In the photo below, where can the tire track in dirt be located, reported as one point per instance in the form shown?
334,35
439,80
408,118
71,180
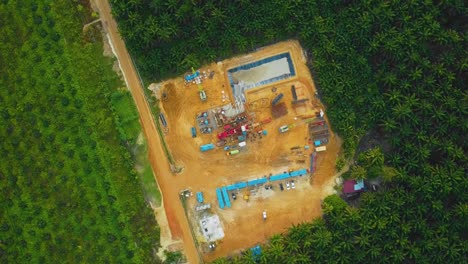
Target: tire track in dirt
174,211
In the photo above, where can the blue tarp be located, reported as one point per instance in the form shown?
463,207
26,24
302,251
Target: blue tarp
279,177
257,181
359,185
256,252
236,186
226,197
200,197
298,173
192,76
220,198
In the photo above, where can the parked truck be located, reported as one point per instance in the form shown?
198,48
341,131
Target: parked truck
283,129
232,152
194,132
202,95
206,147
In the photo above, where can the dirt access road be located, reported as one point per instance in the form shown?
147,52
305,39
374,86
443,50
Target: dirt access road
174,211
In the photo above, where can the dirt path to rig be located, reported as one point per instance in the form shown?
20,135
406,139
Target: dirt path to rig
174,210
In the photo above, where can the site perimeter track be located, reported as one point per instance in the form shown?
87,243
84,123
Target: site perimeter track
174,210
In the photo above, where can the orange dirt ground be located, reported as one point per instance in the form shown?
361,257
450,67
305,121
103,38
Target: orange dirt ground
204,172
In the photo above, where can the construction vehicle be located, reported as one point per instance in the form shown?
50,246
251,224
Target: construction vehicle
246,196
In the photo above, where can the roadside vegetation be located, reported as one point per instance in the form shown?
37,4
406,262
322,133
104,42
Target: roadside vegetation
131,135
393,69
70,192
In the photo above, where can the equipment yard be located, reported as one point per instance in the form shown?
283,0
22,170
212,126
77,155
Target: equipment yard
254,145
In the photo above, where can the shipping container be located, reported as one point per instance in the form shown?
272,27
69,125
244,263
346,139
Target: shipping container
320,149
206,147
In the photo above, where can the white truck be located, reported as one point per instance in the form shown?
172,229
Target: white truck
283,129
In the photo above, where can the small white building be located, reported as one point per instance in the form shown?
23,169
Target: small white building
211,228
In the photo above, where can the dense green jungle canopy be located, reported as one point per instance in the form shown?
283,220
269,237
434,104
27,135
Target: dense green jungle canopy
395,68
68,190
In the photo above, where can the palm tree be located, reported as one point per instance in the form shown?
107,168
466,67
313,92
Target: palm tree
300,258
363,240
275,250
389,125
322,238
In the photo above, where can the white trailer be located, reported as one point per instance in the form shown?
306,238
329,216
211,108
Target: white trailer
320,149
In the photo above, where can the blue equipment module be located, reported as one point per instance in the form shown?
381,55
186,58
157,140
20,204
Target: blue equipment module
298,173
220,198
279,177
257,181
236,186
226,197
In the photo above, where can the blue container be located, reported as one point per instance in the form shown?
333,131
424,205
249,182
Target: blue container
200,197
265,132
206,147
194,132
298,173
219,195
257,181
226,197
236,186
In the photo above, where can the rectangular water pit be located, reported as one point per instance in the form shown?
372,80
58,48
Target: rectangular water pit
262,72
